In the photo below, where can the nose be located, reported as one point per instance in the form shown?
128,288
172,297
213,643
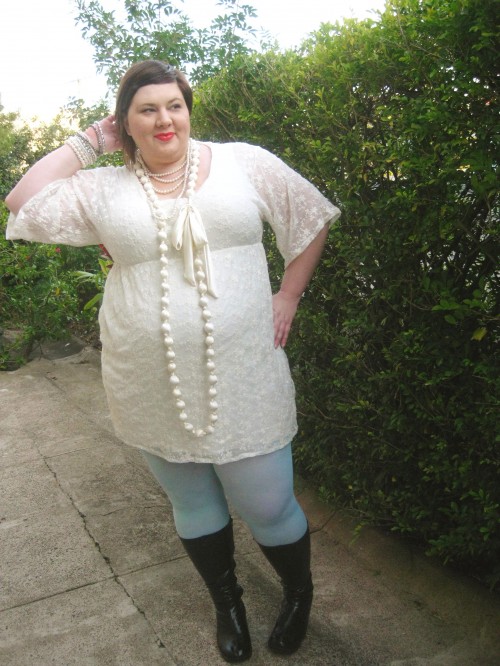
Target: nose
163,118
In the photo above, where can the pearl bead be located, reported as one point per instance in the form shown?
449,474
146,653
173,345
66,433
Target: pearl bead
163,221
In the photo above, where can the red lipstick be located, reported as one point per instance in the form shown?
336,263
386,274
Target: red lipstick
164,136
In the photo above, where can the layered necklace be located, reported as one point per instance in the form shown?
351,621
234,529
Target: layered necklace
187,233
179,176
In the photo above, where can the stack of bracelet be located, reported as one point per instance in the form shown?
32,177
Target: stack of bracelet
82,146
101,143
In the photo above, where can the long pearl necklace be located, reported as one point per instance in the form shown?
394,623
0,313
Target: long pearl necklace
189,184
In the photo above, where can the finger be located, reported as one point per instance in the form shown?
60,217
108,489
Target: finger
282,329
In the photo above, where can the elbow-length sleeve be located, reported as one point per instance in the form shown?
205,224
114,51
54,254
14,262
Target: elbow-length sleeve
294,208
65,211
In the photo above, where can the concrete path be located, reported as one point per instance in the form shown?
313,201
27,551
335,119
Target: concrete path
92,573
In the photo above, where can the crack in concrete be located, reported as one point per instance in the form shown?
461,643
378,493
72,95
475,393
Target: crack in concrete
114,576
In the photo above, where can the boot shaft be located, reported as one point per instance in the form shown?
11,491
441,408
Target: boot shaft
292,562
213,556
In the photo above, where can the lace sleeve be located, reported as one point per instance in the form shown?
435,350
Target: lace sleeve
294,208
64,211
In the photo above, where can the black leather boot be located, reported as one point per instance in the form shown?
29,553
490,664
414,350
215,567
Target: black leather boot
292,563
212,555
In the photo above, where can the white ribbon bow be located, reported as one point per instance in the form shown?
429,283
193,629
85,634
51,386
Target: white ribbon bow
188,233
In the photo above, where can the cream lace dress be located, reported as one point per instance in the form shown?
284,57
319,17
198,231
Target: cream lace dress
246,186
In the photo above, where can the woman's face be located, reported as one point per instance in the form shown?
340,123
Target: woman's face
158,122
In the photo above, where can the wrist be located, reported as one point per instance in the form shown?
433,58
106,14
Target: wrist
91,135
82,146
290,295
96,136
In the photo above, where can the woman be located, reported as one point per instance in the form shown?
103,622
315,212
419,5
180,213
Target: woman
192,338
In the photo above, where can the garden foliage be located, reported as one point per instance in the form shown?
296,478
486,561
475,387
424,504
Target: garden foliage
395,350
40,294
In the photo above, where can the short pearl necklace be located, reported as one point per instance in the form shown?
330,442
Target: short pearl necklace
177,180
191,175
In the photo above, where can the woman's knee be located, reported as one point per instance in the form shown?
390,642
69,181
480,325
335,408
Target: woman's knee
187,485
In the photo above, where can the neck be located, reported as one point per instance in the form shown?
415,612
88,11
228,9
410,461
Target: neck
162,168
174,181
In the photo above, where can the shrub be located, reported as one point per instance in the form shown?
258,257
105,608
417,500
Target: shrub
39,293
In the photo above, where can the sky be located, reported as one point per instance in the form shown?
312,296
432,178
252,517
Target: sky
44,60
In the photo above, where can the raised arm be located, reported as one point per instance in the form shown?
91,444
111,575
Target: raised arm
60,163
295,280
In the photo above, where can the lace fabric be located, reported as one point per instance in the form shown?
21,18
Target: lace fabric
247,186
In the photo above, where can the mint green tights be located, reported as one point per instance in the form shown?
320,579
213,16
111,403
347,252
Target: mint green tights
260,489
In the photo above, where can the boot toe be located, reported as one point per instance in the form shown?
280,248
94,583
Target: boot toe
234,651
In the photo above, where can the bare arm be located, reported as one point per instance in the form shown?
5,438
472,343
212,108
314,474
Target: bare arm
61,163
295,280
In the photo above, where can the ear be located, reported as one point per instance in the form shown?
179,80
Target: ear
126,126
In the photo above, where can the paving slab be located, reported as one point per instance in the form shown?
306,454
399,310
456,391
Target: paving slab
93,625
43,554
16,449
136,537
29,488
105,478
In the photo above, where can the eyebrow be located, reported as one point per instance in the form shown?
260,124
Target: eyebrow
170,101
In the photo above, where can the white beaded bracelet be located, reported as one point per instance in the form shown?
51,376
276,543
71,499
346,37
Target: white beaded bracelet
83,149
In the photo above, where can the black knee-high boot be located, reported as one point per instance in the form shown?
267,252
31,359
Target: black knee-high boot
212,555
292,563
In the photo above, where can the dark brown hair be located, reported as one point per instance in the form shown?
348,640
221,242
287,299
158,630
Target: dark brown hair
142,74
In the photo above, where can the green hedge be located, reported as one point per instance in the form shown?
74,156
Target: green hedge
395,348
41,296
